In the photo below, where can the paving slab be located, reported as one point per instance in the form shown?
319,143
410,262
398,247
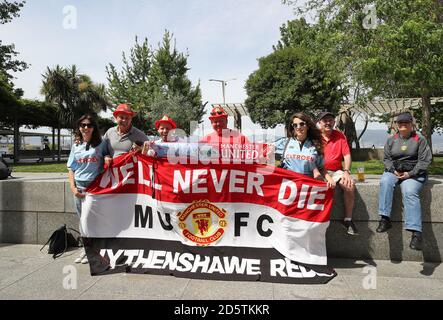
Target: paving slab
397,288
337,288
28,273
144,286
228,290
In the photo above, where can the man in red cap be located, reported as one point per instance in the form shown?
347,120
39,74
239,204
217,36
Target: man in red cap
222,134
223,139
123,137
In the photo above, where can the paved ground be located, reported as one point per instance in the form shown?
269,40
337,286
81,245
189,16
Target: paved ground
26,273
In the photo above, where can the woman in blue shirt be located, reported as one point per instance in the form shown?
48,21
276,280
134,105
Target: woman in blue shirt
302,150
85,162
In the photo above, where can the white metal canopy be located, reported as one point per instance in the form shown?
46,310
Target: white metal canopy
388,106
233,109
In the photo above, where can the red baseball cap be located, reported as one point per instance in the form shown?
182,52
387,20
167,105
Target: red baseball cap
165,119
218,112
124,108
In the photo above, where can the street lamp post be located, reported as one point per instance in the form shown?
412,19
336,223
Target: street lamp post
223,82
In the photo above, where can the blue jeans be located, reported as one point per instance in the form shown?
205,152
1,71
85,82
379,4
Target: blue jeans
410,189
81,186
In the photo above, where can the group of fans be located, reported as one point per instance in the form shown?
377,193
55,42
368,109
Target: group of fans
313,148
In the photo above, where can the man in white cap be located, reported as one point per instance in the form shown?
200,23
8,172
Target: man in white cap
123,137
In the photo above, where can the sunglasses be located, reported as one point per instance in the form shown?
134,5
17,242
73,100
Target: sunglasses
217,113
298,125
86,125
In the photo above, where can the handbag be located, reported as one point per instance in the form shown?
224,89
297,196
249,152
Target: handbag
5,170
60,240
403,166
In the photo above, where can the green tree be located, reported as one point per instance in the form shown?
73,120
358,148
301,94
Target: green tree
151,77
8,11
333,51
9,96
131,84
10,106
9,101
297,76
401,56
172,106
72,94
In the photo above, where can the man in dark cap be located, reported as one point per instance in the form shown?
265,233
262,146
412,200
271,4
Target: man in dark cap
336,150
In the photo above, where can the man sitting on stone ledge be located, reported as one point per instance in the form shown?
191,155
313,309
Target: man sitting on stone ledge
336,149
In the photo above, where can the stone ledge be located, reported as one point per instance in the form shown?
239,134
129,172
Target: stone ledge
30,210
366,202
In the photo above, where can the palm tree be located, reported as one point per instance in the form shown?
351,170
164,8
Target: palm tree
91,97
73,94
56,89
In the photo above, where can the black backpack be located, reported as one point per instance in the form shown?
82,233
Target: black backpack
60,241
5,171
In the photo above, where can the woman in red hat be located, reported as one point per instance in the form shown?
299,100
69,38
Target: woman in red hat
164,126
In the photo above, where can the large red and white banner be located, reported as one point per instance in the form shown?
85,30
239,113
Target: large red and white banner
211,221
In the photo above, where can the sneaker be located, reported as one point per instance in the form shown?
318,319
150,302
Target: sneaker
350,227
384,225
416,241
85,259
81,256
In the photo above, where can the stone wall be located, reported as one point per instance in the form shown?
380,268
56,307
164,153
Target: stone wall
30,210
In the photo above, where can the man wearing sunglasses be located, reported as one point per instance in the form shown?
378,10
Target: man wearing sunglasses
336,150
123,137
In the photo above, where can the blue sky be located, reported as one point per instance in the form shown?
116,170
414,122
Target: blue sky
224,38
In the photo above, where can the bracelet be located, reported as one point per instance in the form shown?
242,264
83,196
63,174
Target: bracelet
349,171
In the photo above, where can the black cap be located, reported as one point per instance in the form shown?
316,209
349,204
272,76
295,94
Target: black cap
404,117
324,114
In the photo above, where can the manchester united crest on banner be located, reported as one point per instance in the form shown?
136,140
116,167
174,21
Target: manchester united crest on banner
202,222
